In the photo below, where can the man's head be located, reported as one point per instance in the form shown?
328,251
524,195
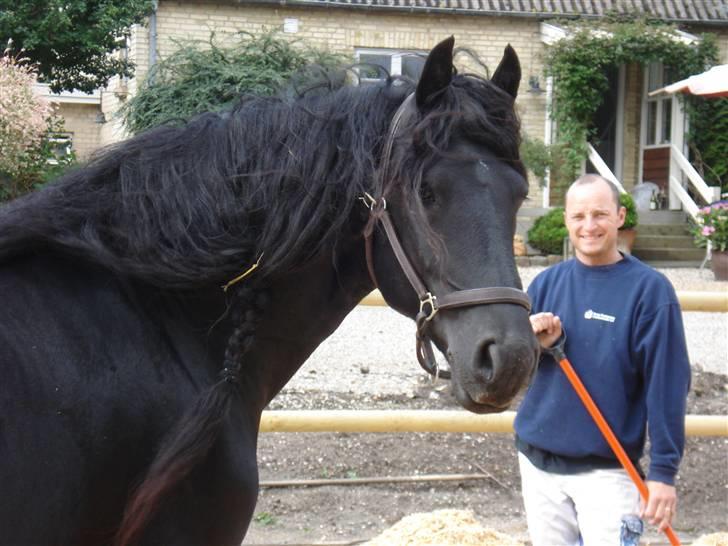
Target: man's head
593,217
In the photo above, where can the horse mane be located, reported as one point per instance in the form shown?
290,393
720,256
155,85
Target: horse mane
279,177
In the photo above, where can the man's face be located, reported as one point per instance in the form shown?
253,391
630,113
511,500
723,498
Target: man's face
593,220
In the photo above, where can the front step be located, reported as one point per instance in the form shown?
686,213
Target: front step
650,255
662,241
663,236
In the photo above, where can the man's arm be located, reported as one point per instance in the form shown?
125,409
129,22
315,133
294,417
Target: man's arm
662,349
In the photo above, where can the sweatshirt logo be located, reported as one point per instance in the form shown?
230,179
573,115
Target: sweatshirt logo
593,315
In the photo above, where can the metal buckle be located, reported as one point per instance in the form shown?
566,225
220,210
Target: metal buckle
430,300
370,202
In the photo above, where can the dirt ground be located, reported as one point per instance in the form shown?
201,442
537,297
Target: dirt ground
349,514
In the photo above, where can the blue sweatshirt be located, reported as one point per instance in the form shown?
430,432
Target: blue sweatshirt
625,339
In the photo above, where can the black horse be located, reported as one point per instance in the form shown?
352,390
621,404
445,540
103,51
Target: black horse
132,384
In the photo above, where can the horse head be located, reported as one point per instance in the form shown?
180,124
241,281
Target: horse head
452,183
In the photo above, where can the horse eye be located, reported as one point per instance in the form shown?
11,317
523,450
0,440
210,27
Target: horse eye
427,196
484,164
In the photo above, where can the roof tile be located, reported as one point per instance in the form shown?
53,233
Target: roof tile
684,11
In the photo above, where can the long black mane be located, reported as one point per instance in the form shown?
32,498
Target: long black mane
185,206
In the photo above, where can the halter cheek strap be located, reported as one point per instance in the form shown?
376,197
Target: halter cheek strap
430,304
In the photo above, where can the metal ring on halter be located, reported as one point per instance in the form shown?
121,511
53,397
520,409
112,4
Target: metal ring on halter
370,202
432,301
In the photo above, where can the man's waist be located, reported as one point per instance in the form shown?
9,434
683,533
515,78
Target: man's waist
567,464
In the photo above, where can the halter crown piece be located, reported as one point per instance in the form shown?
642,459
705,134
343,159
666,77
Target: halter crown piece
430,304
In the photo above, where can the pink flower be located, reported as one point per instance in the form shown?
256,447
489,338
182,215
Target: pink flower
708,230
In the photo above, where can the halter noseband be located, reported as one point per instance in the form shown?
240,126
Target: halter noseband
430,304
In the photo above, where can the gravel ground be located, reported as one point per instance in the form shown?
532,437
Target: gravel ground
373,349
369,363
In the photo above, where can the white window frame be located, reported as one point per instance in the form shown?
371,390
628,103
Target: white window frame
660,101
395,55
678,118
61,138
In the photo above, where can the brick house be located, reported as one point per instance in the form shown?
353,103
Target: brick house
635,128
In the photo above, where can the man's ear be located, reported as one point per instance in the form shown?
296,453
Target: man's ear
622,216
508,74
437,72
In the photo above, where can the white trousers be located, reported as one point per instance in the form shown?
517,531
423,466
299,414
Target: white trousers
576,509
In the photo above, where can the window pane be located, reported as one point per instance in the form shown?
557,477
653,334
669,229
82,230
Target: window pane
385,61
654,76
412,66
651,122
666,120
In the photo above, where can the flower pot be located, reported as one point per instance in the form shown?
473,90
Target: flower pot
719,264
625,240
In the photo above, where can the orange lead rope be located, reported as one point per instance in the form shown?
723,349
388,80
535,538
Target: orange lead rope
557,351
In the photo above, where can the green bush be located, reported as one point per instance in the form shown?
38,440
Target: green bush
709,134
548,232
631,218
205,76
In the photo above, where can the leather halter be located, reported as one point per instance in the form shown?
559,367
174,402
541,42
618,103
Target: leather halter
430,304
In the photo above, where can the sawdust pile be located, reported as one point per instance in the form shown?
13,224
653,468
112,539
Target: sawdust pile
441,528
714,539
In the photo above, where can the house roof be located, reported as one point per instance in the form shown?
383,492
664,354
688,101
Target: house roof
683,11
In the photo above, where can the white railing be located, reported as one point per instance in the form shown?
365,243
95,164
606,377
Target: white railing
680,167
602,168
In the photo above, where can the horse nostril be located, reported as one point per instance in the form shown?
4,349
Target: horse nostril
485,360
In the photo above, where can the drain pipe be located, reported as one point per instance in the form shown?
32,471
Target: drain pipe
153,38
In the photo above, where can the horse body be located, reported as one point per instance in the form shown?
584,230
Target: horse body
117,424
78,433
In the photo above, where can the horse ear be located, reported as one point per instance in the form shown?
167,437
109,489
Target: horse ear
437,72
508,74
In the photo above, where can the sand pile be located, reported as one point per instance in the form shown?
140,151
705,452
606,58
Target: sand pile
441,528
714,539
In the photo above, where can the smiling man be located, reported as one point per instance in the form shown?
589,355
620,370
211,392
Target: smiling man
626,342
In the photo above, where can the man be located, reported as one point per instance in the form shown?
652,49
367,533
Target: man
625,338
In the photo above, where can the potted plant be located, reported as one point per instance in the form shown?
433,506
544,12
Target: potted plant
711,228
627,233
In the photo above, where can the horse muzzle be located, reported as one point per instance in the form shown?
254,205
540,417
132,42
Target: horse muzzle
487,375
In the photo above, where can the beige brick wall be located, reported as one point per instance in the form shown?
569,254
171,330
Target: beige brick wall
80,122
632,123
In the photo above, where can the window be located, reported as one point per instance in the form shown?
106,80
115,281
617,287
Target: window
659,108
394,63
61,148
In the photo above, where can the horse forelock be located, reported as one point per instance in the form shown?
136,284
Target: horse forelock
471,108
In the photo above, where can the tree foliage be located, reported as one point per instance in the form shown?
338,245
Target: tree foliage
203,76
709,139
26,120
71,40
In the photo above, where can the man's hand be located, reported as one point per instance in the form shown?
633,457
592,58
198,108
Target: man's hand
547,328
661,506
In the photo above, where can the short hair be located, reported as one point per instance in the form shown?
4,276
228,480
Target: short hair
585,179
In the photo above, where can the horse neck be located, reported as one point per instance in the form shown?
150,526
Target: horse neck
305,307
